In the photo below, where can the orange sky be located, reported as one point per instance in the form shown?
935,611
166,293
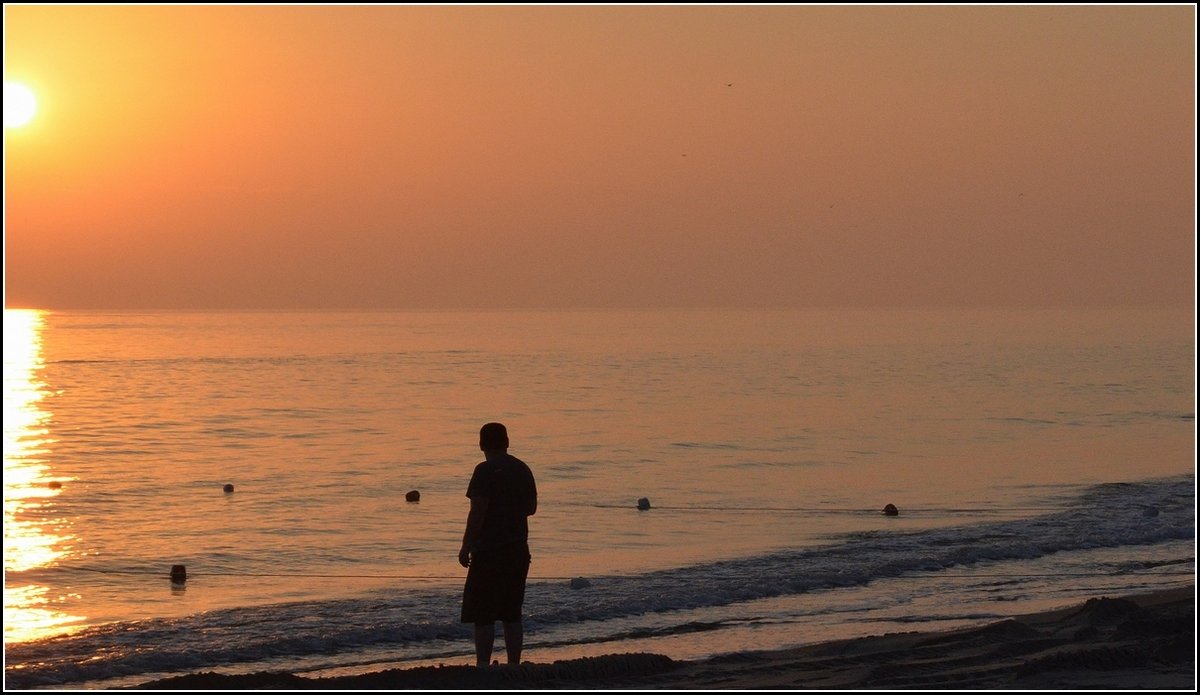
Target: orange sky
274,157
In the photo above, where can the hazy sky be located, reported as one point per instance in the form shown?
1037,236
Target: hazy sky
536,156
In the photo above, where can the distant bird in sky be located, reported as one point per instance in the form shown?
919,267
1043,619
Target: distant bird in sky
728,84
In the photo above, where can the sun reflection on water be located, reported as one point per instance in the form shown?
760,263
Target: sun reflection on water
33,537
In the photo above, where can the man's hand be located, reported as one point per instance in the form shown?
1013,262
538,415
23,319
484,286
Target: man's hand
464,557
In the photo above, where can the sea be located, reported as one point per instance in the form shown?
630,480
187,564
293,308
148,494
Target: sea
1036,458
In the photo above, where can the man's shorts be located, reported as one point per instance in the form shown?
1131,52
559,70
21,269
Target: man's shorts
495,586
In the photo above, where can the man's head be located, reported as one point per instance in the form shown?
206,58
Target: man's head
493,437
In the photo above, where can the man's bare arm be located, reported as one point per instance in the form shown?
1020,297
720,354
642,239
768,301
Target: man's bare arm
479,507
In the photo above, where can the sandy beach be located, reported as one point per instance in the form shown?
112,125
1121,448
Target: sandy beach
1137,642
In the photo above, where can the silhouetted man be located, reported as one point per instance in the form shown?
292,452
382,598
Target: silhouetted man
495,545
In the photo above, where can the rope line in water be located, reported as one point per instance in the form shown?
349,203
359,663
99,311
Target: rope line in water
273,574
841,510
987,575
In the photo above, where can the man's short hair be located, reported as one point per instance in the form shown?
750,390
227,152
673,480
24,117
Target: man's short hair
493,436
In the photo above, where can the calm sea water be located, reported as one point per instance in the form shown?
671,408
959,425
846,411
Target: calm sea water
1037,458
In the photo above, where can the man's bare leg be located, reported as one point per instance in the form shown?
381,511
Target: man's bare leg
514,638
485,636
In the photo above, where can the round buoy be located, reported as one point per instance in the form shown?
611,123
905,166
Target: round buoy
580,583
412,496
178,574
644,504
890,510
228,487
54,485
1150,511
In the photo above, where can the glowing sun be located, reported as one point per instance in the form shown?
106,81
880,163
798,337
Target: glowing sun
19,104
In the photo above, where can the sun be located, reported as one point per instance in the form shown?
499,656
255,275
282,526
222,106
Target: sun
19,104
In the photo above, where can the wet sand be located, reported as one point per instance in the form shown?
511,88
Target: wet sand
1140,642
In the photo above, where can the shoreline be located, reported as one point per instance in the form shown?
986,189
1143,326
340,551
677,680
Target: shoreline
1135,642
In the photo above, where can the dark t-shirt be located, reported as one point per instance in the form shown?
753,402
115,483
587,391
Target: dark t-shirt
508,485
